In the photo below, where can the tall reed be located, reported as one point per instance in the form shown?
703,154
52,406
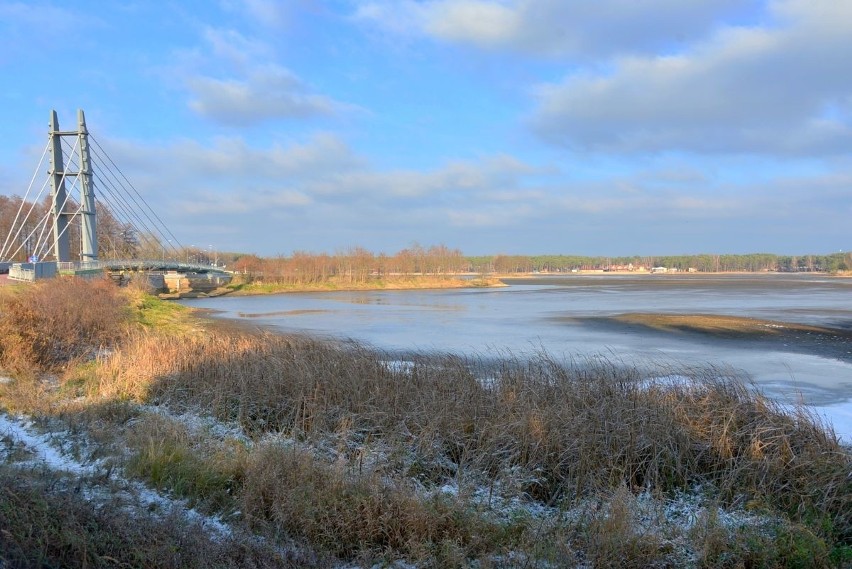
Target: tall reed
571,427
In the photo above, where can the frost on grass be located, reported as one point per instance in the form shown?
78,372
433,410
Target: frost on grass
17,432
25,447
200,424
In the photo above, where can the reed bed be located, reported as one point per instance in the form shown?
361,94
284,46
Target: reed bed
573,428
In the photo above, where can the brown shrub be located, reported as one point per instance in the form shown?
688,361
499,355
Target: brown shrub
50,323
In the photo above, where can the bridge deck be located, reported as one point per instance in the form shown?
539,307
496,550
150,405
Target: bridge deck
139,265
33,271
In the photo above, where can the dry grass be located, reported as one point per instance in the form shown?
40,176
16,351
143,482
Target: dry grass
44,523
574,428
172,457
354,517
615,534
284,490
753,448
402,282
346,451
49,324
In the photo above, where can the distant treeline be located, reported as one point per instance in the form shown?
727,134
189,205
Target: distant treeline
355,265
120,240
753,262
358,265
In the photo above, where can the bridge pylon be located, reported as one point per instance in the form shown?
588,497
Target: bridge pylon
59,195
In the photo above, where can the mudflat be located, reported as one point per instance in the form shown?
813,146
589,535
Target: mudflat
825,341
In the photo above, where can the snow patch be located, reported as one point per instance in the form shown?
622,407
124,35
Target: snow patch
200,423
21,431
40,444
668,381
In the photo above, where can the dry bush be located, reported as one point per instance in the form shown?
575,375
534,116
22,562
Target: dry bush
27,394
50,323
288,492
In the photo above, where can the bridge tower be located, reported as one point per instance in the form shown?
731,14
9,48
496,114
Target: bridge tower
59,195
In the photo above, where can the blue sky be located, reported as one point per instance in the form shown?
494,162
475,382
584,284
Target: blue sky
606,127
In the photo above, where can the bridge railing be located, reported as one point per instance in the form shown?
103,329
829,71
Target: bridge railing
29,272
155,265
149,265
81,265
17,273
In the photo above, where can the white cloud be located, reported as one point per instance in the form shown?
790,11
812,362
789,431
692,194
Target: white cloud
776,89
475,21
271,92
233,157
317,194
31,31
491,216
574,28
269,12
485,177
235,81
230,176
234,48
29,17
250,201
402,17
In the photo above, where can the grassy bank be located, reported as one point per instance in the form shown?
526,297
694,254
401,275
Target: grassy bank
258,286
315,453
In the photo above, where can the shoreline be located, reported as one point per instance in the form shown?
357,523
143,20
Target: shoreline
262,289
494,280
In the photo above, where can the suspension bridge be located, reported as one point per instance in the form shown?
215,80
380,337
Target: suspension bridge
65,211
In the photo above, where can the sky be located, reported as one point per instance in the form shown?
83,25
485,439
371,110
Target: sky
591,127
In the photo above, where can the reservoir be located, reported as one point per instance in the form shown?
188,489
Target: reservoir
576,316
